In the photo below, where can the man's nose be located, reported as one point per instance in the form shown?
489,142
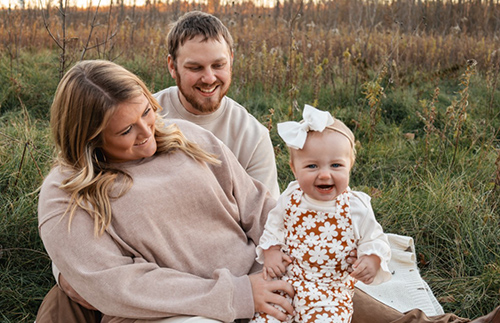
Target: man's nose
208,76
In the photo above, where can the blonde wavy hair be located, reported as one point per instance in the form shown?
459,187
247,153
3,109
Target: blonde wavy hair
85,99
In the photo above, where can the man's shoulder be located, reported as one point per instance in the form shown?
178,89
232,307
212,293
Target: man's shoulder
165,92
240,116
236,107
169,101
194,132
166,97
186,126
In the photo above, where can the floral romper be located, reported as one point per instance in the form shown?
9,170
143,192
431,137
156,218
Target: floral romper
319,243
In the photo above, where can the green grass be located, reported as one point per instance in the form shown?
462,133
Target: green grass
24,265
437,187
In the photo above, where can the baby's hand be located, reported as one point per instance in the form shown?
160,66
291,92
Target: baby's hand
366,268
351,259
275,262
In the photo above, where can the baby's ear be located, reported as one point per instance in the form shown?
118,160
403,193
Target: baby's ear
292,168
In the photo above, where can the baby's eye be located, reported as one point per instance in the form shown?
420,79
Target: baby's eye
312,166
336,165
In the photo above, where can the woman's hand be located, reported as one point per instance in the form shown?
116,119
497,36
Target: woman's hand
366,268
264,296
275,262
71,293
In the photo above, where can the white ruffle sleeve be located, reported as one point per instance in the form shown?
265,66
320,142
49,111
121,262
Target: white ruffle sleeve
371,238
274,231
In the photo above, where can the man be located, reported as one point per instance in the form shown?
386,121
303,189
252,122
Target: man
200,61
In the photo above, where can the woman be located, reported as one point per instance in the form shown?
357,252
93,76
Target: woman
142,221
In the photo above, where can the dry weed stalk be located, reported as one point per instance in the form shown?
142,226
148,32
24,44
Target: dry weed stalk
492,78
251,61
269,120
346,66
277,68
496,188
318,72
292,63
13,22
265,66
92,25
374,92
462,105
28,145
63,41
429,117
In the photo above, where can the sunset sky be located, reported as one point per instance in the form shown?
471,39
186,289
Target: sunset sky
84,3
79,3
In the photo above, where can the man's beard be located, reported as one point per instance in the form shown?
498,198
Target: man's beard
203,106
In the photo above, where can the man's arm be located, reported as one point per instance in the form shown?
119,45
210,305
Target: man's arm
262,165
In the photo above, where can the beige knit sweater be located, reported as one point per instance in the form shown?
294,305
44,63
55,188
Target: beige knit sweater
245,136
182,239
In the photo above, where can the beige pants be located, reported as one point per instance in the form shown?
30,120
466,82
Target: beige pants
57,307
181,319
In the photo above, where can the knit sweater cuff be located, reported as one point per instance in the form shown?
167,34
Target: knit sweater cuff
243,298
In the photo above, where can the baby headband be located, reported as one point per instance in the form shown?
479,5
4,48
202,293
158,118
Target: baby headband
294,134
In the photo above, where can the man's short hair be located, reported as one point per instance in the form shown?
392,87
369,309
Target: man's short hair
195,23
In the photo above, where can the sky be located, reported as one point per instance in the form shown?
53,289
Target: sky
79,3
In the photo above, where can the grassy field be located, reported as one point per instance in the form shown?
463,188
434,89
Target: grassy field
417,84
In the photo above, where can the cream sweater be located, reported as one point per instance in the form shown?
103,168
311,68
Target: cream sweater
247,138
182,239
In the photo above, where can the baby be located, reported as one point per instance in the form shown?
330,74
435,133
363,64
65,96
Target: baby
318,221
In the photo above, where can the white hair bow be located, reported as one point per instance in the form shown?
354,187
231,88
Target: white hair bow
295,133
